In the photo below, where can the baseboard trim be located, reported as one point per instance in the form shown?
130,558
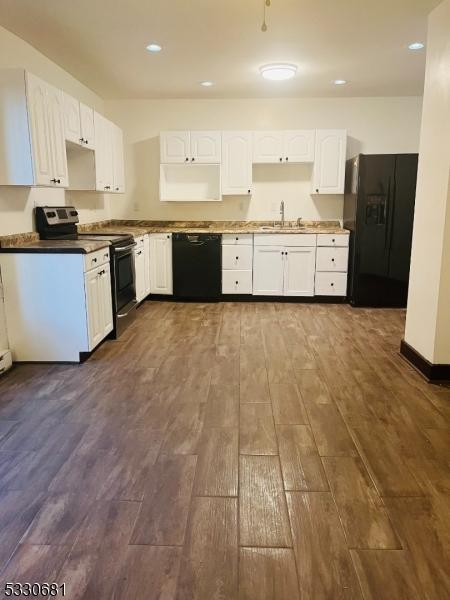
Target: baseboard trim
251,298
430,371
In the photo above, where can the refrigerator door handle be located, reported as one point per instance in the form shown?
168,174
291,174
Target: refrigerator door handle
387,217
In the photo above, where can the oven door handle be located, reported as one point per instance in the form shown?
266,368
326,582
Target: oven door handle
123,248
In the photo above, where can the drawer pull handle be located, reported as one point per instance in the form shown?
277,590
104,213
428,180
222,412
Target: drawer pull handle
94,260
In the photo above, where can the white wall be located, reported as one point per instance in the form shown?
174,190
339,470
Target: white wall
373,124
16,204
428,314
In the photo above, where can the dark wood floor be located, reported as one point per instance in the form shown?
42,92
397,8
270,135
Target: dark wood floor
254,451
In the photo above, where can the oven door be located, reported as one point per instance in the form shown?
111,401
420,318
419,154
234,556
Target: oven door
124,280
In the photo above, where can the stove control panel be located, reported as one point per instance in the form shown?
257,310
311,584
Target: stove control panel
58,215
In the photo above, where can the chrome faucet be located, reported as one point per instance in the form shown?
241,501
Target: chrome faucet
282,213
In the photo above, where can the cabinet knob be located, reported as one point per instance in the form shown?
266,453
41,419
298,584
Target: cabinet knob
81,140
332,260
287,158
186,159
117,189
332,284
53,180
192,159
333,240
281,160
317,190
168,237
86,141
58,180
249,191
237,282
94,260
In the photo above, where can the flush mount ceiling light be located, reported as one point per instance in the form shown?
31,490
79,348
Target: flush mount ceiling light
154,48
416,46
340,81
278,71
206,83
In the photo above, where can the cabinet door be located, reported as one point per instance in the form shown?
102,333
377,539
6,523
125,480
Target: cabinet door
299,146
40,130
161,263
299,271
329,164
119,170
57,136
147,264
94,308
139,272
175,146
206,147
103,153
268,271
236,162
106,300
268,147
72,122
87,126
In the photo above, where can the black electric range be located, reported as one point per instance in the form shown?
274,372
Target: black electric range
60,223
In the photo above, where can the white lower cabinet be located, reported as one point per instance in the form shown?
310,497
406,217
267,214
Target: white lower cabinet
139,270
268,271
147,263
284,265
98,304
299,271
332,265
161,280
237,264
57,322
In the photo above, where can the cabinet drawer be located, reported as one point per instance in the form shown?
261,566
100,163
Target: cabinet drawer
237,239
332,259
285,239
330,239
237,282
237,258
95,259
331,284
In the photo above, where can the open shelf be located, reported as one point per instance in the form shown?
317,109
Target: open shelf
189,183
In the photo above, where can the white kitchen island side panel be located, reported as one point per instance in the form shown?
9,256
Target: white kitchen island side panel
45,306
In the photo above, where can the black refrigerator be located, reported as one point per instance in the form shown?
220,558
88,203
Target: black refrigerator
379,200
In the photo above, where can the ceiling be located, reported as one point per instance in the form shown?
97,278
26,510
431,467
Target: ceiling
102,43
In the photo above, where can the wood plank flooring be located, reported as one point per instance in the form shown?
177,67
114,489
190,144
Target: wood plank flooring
230,451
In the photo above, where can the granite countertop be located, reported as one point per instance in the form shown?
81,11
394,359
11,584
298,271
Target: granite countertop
138,228
55,247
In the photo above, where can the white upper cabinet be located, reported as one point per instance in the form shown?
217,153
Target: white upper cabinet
191,147
283,146
46,114
329,164
57,137
206,147
236,162
87,126
268,146
175,146
40,130
299,145
72,119
118,160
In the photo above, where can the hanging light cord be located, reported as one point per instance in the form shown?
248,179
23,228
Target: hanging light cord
264,24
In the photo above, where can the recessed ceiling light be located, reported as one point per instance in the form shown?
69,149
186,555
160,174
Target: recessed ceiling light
154,48
340,81
278,72
416,46
206,83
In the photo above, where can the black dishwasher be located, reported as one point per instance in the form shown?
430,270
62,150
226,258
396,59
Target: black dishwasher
197,265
